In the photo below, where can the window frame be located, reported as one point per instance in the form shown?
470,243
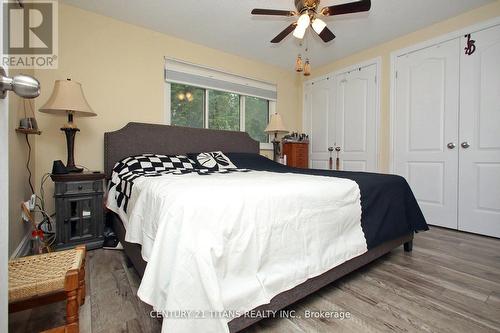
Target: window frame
271,110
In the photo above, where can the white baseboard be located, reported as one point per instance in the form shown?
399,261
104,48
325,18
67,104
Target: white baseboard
23,249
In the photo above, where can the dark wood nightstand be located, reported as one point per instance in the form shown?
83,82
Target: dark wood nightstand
297,154
79,209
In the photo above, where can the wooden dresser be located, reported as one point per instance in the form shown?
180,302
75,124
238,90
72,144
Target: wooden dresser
297,154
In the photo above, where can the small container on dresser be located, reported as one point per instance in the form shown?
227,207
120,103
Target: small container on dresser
297,154
79,209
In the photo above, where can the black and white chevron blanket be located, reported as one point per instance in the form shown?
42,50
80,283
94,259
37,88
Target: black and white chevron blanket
126,171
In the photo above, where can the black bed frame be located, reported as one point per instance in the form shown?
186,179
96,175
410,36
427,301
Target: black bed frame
138,138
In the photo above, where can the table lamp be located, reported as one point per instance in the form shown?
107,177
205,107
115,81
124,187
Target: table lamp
276,126
68,99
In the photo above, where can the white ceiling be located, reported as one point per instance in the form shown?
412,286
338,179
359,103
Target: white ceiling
227,24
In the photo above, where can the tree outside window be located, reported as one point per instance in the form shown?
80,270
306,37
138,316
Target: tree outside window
187,106
256,118
224,110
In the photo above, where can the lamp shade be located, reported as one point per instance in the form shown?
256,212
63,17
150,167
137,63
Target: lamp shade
68,97
318,25
276,125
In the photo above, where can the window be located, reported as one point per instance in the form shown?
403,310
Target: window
202,97
224,111
256,118
187,106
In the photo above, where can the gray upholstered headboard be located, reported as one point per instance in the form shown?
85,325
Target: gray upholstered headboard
138,138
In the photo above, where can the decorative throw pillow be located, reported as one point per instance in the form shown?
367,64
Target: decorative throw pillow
215,160
153,163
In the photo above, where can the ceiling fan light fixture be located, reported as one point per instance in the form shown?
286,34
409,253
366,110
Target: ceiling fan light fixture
304,21
299,33
307,12
302,25
318,25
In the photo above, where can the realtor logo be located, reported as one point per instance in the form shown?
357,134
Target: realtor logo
30,34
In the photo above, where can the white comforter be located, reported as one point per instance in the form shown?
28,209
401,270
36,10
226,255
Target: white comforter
231,242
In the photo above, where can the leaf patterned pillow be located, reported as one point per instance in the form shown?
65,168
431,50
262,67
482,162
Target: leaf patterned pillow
215,160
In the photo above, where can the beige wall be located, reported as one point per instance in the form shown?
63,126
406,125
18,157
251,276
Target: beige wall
19,189
121,69
384,50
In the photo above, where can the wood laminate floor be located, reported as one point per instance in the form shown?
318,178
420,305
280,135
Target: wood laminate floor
449,283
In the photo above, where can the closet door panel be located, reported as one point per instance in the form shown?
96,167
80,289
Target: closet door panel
425,122
479,165
320,119
356,119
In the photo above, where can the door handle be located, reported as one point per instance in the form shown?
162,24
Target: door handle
337,160
451,145
465,145
23,85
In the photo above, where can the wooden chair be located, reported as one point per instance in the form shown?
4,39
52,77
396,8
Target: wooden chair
47,278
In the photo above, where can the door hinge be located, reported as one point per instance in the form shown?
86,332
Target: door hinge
375,79
396,74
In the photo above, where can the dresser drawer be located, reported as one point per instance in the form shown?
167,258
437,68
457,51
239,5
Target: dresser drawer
83,187
297,154
301,154
301,148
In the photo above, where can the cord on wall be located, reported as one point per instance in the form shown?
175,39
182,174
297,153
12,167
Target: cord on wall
28,165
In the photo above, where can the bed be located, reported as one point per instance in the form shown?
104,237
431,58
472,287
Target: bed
389,212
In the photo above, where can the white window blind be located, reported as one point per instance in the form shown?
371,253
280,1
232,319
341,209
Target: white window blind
177,71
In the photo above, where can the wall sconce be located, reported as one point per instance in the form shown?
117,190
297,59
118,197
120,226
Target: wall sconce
23,85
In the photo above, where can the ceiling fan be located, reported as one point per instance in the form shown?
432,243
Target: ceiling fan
308,12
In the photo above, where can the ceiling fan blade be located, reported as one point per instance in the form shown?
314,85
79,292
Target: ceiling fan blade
327,35
284,33
347,8
258,11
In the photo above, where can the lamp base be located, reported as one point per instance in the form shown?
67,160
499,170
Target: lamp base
70,143
74,169
276,150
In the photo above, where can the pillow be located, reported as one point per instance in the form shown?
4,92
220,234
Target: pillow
254,161
153,163
215,160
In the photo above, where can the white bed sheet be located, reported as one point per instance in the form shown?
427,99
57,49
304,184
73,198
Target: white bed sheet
231,242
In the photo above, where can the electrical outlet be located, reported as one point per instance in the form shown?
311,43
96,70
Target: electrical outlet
32,202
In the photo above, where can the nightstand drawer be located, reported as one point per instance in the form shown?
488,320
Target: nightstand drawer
78,187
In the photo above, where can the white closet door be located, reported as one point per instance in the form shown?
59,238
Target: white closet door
479,198
356,107
426,128
319,118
